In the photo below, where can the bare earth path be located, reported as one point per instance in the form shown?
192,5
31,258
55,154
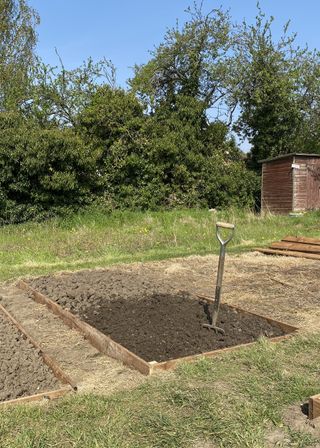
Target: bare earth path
284,288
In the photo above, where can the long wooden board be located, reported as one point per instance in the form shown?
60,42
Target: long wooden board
287,253
285,327
51,395
106,345
100,341
302,239
299,247
173,363
49,361
314,407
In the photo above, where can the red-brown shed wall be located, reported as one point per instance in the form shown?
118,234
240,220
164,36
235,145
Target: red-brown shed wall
306,193
277,186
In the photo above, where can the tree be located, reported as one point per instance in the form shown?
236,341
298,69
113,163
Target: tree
192,61
43,171
57,95
113,123
309,136
110,114
188,76
18,39
197,162
276,83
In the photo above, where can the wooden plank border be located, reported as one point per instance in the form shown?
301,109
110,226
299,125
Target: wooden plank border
111,348
287,253
173,363
296,247
48,360
100,341
51,395
314,407
51,362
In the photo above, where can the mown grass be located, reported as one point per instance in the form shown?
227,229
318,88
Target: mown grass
94,238
238,400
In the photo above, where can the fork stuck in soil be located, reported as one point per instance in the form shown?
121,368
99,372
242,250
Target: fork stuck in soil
223,244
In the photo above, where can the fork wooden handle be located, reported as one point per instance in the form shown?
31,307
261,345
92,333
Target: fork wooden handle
225,225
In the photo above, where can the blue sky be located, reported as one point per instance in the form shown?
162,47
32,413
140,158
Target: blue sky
125,30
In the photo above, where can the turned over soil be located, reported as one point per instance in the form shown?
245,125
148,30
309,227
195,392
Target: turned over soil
22,370
150,319
165,326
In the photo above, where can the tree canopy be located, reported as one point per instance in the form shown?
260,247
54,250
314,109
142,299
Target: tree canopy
18,23
277,90
191,61
72,137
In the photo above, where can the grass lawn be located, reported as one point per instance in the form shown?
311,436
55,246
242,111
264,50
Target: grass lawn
238,400
243,399
92,239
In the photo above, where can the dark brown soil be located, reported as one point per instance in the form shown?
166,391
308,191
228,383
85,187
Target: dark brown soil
22,371
80,290
150,319
164,326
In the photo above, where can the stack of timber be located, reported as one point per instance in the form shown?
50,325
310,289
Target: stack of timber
293,246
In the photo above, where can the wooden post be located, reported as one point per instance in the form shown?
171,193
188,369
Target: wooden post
314,407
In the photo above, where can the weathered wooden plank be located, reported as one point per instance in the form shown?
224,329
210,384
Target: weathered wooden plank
286,327
280,192
314,407
54,366
51,395
279,169
299,247
302,239
100,341
287,253
283,203
173,363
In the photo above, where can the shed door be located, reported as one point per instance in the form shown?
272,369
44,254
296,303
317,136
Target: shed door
313,187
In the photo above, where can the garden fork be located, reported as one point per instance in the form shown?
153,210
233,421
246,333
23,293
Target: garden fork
223,243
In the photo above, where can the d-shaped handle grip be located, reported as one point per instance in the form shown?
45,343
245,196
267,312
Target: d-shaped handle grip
224,225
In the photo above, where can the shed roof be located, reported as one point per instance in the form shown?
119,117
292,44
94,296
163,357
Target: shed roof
283,156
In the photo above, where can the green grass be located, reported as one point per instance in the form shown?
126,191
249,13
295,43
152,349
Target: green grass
92,238
233,401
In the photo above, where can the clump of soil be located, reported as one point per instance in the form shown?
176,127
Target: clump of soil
22,371
149,319
81,290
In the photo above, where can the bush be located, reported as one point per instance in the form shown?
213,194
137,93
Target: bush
172,158
44,172
228,183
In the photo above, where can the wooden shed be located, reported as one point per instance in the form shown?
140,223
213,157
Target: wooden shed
290,183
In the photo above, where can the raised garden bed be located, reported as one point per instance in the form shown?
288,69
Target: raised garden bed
26,372
150,330
164,326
